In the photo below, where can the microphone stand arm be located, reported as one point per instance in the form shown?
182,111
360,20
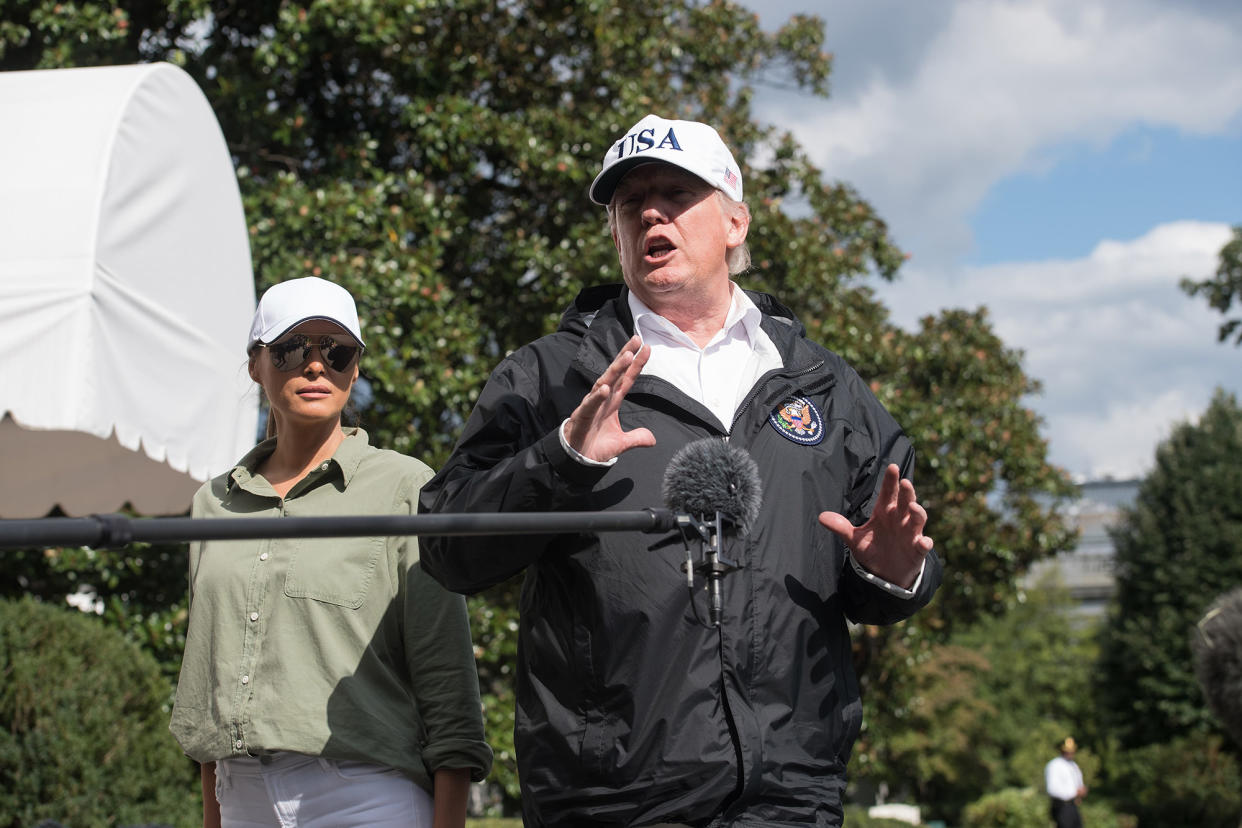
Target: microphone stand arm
116,530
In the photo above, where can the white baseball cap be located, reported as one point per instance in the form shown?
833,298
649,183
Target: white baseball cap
288,304
693,146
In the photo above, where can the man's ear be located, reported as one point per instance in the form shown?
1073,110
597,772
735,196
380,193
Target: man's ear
738,226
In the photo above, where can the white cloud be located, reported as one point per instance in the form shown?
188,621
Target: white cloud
1121,442
1001,85
1114,269
1121,351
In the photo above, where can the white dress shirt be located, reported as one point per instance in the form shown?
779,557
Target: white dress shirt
1062,778
710,374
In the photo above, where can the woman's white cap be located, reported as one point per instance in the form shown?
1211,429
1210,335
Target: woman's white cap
693,146
288,304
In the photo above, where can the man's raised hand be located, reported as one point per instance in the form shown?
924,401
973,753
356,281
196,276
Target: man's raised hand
594,429
891,544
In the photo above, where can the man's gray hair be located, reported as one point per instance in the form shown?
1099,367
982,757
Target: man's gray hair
738,259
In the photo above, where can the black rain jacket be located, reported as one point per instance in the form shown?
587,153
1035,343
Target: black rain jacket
630,711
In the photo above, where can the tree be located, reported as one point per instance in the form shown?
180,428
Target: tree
1190,780
433,157
994,501
1224,288
983,711
1041,659
1177,547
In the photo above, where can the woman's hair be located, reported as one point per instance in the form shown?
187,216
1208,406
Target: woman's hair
738,258
269,430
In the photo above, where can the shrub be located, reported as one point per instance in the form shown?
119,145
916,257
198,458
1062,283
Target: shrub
1028,808
856,817
1100,814
84,735
1009,808
1192,780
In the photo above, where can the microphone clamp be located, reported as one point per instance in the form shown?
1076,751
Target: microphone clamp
714,565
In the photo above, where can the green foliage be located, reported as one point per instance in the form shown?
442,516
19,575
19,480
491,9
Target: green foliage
1178,547
857,817
84,726
494,625
924,738
384,240
1191,780
455,160
1100,813
1028,808
983,472
1041,660
984,710
1225,288
994,506
1008,808
140,590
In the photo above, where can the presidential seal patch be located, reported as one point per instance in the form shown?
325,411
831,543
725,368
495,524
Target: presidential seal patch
798,419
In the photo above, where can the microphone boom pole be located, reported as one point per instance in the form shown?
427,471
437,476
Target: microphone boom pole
114,530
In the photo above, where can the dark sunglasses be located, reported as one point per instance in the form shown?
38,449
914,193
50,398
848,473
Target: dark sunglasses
291,353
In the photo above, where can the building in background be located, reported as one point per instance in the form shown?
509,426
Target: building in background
1087,570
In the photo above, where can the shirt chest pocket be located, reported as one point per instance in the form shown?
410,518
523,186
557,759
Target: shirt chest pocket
337,571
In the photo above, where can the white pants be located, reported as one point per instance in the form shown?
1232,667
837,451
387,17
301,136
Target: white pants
290,790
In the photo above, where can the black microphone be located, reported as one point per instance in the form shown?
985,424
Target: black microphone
1217,647
718,484
711,476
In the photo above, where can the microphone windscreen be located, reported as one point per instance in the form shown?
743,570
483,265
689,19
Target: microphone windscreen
1217,647
709,476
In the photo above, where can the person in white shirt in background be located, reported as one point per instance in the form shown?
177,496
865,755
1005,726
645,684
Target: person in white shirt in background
1063,781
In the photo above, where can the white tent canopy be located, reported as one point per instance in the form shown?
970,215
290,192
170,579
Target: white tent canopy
126,292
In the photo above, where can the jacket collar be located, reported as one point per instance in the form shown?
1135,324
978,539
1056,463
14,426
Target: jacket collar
601,316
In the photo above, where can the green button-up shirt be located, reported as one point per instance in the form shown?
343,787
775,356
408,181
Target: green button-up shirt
334,647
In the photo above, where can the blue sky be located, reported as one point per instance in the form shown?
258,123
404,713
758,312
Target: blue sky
1063,163
1118,191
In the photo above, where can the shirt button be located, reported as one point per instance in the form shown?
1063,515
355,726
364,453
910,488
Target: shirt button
245,679
324,467
263,557
254,616
238,744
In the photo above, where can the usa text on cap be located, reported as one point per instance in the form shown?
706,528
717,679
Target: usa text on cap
695,147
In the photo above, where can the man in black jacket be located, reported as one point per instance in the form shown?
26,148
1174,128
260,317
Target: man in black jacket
631,709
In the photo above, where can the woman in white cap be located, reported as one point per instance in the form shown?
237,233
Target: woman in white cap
326,681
